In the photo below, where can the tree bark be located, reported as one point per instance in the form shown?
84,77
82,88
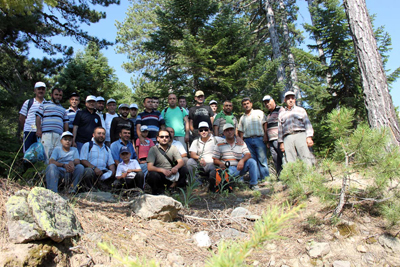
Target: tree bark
377,98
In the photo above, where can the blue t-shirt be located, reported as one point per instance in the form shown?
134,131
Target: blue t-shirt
64,157
116,147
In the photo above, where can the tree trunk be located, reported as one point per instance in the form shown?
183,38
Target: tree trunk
293,81
377,99
275,44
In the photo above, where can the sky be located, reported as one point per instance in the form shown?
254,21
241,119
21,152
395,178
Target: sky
386,14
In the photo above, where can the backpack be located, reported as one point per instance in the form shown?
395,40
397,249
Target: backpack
30,103
165,110
104,116
222,181
91,146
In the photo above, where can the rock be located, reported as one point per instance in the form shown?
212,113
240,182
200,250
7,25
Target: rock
391,244
21,224
240,212
53,214
163,208
232,233
202,239
175,259
319,250
341,264
361,248
98,196
253,217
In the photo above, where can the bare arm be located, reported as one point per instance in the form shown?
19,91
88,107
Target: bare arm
187,128
216,132
191,125
38,126
22,119
74,132
66,126
152,168
240,134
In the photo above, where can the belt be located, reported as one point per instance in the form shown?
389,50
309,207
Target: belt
253,136
294,132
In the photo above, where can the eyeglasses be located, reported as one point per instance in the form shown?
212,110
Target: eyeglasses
164,136
203,130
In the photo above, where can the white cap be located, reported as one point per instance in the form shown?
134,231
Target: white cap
289,93
100,98
90,98
67,133
228,126
40,84
134,106
123,106
267,98
111,100
143,128
213,102
203,124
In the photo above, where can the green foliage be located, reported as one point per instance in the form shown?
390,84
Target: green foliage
391,211
187,194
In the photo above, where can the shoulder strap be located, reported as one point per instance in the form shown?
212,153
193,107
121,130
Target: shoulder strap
91,146
30,103
104,116
166,156
165,110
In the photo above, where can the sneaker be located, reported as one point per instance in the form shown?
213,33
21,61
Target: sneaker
254,187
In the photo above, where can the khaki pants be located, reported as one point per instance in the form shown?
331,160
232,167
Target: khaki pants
50,141
296,144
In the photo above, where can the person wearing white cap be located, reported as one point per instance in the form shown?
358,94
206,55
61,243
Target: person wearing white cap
86,120
100,101
27,114
272,131
64,163
108,117
238,156
120,122
199,113
214,106
133,109
295,131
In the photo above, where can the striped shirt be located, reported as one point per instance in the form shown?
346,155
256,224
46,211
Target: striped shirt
225,152
30,121
221,119
53,117
153,120
71,117
100,157
251,125
294,120
272,123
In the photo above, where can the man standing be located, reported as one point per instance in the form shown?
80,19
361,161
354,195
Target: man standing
238,156
199,113
165,165
73,109
121,122
214,106
97,159
151,118
51,122
85,122
108,117
224,117
27,114
99,109
272,131
156,102
182,103
177,118
124,141
252,129
295,131
133,109
64,163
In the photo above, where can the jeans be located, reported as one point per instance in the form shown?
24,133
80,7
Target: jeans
29,139
258,152
206,170
143,166
250,166
277,155
54,174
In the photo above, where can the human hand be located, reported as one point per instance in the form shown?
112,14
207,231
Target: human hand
310,142
282,147
98,172
240,165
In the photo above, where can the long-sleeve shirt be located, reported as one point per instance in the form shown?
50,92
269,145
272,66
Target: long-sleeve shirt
294,120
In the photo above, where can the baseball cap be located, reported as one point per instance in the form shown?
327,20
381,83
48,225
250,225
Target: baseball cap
111,100
289,93
267,98
67,133
100,98
90,98
199,93
228,126
143,128
40,84
123,106
124,149
134,106
74,94
203,124
213,102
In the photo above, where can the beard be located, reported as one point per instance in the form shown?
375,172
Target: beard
99,139
56,101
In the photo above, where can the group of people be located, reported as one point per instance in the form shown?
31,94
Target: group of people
92,148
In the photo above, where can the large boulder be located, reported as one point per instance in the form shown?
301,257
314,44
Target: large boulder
163,208
38,214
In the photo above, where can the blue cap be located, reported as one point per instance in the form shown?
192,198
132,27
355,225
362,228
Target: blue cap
124,149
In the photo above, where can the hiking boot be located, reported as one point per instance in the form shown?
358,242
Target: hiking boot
254,187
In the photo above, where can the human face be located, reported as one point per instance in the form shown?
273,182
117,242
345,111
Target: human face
290,101
163,137
112,107
90,104
172,100
99,135
204,132
155,103
199,99
74,101
125,135
100,105
40,91
182,103
270,105
171,132
56,96
228,106
124,112
229,133
66,142
125,156
145,133
133,112
148,103
247,105
214,107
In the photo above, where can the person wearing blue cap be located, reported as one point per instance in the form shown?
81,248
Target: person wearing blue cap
129,174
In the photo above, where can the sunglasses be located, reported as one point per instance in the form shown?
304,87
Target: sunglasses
203,130
164,136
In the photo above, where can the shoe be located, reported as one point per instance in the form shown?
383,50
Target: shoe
254,187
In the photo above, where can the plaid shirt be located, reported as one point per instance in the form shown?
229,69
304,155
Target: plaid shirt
252,125
294,120
272,120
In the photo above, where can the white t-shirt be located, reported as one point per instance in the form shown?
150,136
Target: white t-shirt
179,146
30,121
107,122
133,164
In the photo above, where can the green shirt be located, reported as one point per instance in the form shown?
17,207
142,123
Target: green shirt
174,118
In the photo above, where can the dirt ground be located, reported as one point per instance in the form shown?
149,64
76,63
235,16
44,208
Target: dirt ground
351,239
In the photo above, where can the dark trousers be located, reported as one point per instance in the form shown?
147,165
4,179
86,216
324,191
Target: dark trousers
158,182
138,181
29,139
277,155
